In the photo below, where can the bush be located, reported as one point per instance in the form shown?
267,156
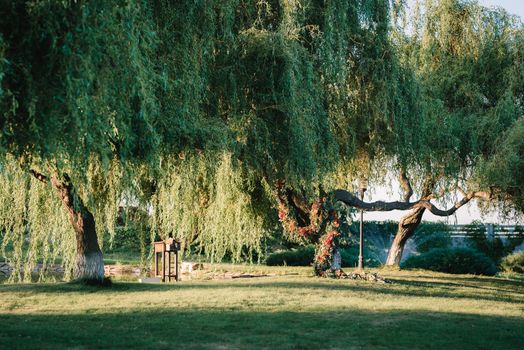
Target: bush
494,248
432,235
349,257
127,238
456,260
302,256
513,263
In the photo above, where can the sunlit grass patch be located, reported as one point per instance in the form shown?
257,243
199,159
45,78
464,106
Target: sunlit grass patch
290,309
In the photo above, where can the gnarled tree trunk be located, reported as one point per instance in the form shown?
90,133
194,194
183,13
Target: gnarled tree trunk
89,265
406,228
408,224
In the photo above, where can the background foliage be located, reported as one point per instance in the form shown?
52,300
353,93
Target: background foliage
456,260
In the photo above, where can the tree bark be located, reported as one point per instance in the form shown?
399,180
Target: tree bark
408,224
406,185
89,264
406,228
352,200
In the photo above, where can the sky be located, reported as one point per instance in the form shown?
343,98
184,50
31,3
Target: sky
464,215
470,211
515,7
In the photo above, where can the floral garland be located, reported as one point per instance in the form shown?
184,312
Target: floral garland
329,228
291,226
337,233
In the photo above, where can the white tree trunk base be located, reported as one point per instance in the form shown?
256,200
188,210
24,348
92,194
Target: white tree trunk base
89,266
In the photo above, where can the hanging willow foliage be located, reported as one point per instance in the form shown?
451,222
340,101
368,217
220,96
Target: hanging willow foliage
78,81
111,94
468,71
35,227
207,205
35,224
194,110
78,102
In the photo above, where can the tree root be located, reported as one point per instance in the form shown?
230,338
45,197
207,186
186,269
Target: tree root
364,276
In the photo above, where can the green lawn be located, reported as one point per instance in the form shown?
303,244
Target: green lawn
419,310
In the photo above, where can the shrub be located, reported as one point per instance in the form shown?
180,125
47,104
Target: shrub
456,260
128,238
513,263
494,248
432,235
349,257
302,256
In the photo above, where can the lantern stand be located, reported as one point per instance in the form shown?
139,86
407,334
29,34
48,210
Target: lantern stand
164,259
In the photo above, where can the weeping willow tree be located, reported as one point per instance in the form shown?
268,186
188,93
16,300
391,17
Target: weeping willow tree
500,167
300,95
78,102
434,102
242,76
216,115
36,227
203,110
207,204
465,58
366,93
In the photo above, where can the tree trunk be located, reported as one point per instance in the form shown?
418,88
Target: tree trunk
406,228
89,265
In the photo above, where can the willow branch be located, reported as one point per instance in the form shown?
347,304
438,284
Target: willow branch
461,191
354,201
406,185
299,202
39,176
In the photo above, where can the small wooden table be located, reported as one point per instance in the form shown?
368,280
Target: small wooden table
164,261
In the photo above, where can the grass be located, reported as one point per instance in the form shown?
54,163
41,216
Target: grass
292,310
121,258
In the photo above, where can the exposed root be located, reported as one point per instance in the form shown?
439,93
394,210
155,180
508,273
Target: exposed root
364,276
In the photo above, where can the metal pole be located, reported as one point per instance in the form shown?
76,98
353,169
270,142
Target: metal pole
176,265
360,264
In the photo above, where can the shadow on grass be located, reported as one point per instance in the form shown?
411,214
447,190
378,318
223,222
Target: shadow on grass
490,280
205,329
466,279
461,283
502,290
